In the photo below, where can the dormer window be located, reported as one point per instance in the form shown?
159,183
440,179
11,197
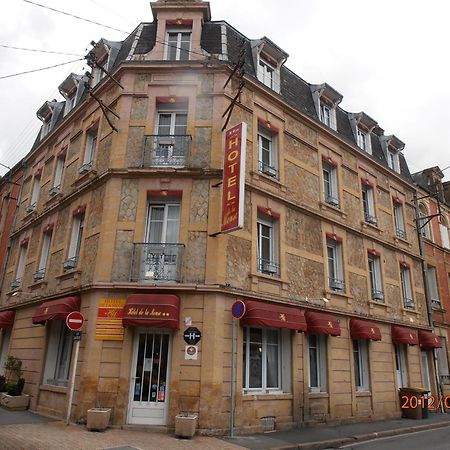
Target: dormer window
325,114
48,114
178,45
266,73
392,146
326,100
393,160
46,125
363,140
362,126
101,58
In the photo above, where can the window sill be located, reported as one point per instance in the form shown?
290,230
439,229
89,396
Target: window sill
411,311
438,308
38,284
318,394
272,180
54,199
399,239
363,394
85,177
371,226
51,388
373,303
277,395
256,276
30,216
327,206
68,274
328,292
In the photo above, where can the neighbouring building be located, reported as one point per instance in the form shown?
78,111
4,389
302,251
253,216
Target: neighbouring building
125,227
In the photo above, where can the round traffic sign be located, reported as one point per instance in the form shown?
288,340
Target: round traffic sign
74,321
238,309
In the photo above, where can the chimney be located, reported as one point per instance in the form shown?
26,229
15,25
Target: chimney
446,189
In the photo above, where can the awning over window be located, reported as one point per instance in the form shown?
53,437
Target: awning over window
7,318
404,335
363,329
152,310
427,339
56,309
322,323
261,314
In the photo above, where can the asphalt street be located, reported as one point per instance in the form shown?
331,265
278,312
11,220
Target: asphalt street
437,439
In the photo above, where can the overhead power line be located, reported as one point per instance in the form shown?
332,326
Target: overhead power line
37,70
38,50
74,16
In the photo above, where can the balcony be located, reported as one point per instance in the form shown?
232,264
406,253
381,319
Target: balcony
153,262
400,233
166,151
39,275
70,263
268,170
336,284
268,267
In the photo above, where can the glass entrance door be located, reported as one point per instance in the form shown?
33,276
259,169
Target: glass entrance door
150,374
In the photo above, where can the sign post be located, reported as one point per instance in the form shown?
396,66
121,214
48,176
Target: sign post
74,322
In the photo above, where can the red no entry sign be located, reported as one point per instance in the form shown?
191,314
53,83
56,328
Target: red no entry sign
74,321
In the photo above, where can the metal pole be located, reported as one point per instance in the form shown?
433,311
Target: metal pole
72,381
233,373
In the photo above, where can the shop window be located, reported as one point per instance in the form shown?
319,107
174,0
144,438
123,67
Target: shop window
330,185
335,265
368,198
4,348
89,150
267,245
399,220
266,360
405,276
376,283
433,286
59,351
267,152
401,365
361,360
317,362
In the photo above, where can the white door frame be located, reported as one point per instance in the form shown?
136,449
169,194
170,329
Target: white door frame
137,332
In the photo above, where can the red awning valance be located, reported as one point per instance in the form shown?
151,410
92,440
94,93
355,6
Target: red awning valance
152,310
404,335
363,329
427,339
322,323
56,309
261,314
7,318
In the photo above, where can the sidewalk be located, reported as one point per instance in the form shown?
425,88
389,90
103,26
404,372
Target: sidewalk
324,437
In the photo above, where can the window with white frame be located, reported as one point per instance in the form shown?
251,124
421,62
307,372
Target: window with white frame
361,361
59,171
424,223
20,266
89,151
267,73
405,276
178,44
401,365
75,242
363,140
45,129
399,220
325,114
393,161
70,102
101,61
442,358
433,286
330,185
368,198
59,352
335,265
443,228
267,245
376,284
4,348
34,193
267,152
43,260
317,346
266,360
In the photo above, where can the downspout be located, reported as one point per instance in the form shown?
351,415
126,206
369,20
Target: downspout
427,294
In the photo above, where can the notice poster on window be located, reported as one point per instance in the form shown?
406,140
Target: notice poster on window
109,319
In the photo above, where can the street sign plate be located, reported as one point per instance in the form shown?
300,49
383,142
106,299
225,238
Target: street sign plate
192,336
74,321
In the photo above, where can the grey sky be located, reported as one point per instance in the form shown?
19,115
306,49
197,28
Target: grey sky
387,58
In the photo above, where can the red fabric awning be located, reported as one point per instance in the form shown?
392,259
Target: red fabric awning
262,314
363,329
152,310
322,323
427,339
404,335
56,309
7,318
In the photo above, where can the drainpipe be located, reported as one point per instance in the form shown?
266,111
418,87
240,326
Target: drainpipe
427,294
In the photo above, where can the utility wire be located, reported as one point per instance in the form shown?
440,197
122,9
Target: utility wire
38,50
37,70
74,16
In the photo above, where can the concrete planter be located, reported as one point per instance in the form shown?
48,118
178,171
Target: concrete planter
15,402
98,419
185,425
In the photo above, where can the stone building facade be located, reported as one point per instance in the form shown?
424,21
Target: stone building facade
125,226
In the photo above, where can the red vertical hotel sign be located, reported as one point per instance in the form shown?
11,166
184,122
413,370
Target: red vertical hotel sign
234,178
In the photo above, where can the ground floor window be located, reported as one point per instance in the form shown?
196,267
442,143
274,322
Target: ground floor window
361,360
4,348
266,359
59,352
317,362
401,365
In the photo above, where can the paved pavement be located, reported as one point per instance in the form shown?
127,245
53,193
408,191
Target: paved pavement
20,417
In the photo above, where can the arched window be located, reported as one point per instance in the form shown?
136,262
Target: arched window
443,227
425,229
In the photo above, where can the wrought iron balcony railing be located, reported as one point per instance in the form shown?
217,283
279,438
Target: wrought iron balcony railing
400,233
331,200
369,218
336,284
39,275
377,295
70,263
408,303
153,262
268,267
166,151
267,169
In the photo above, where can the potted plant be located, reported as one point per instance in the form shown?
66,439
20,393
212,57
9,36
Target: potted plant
12,385
98,419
